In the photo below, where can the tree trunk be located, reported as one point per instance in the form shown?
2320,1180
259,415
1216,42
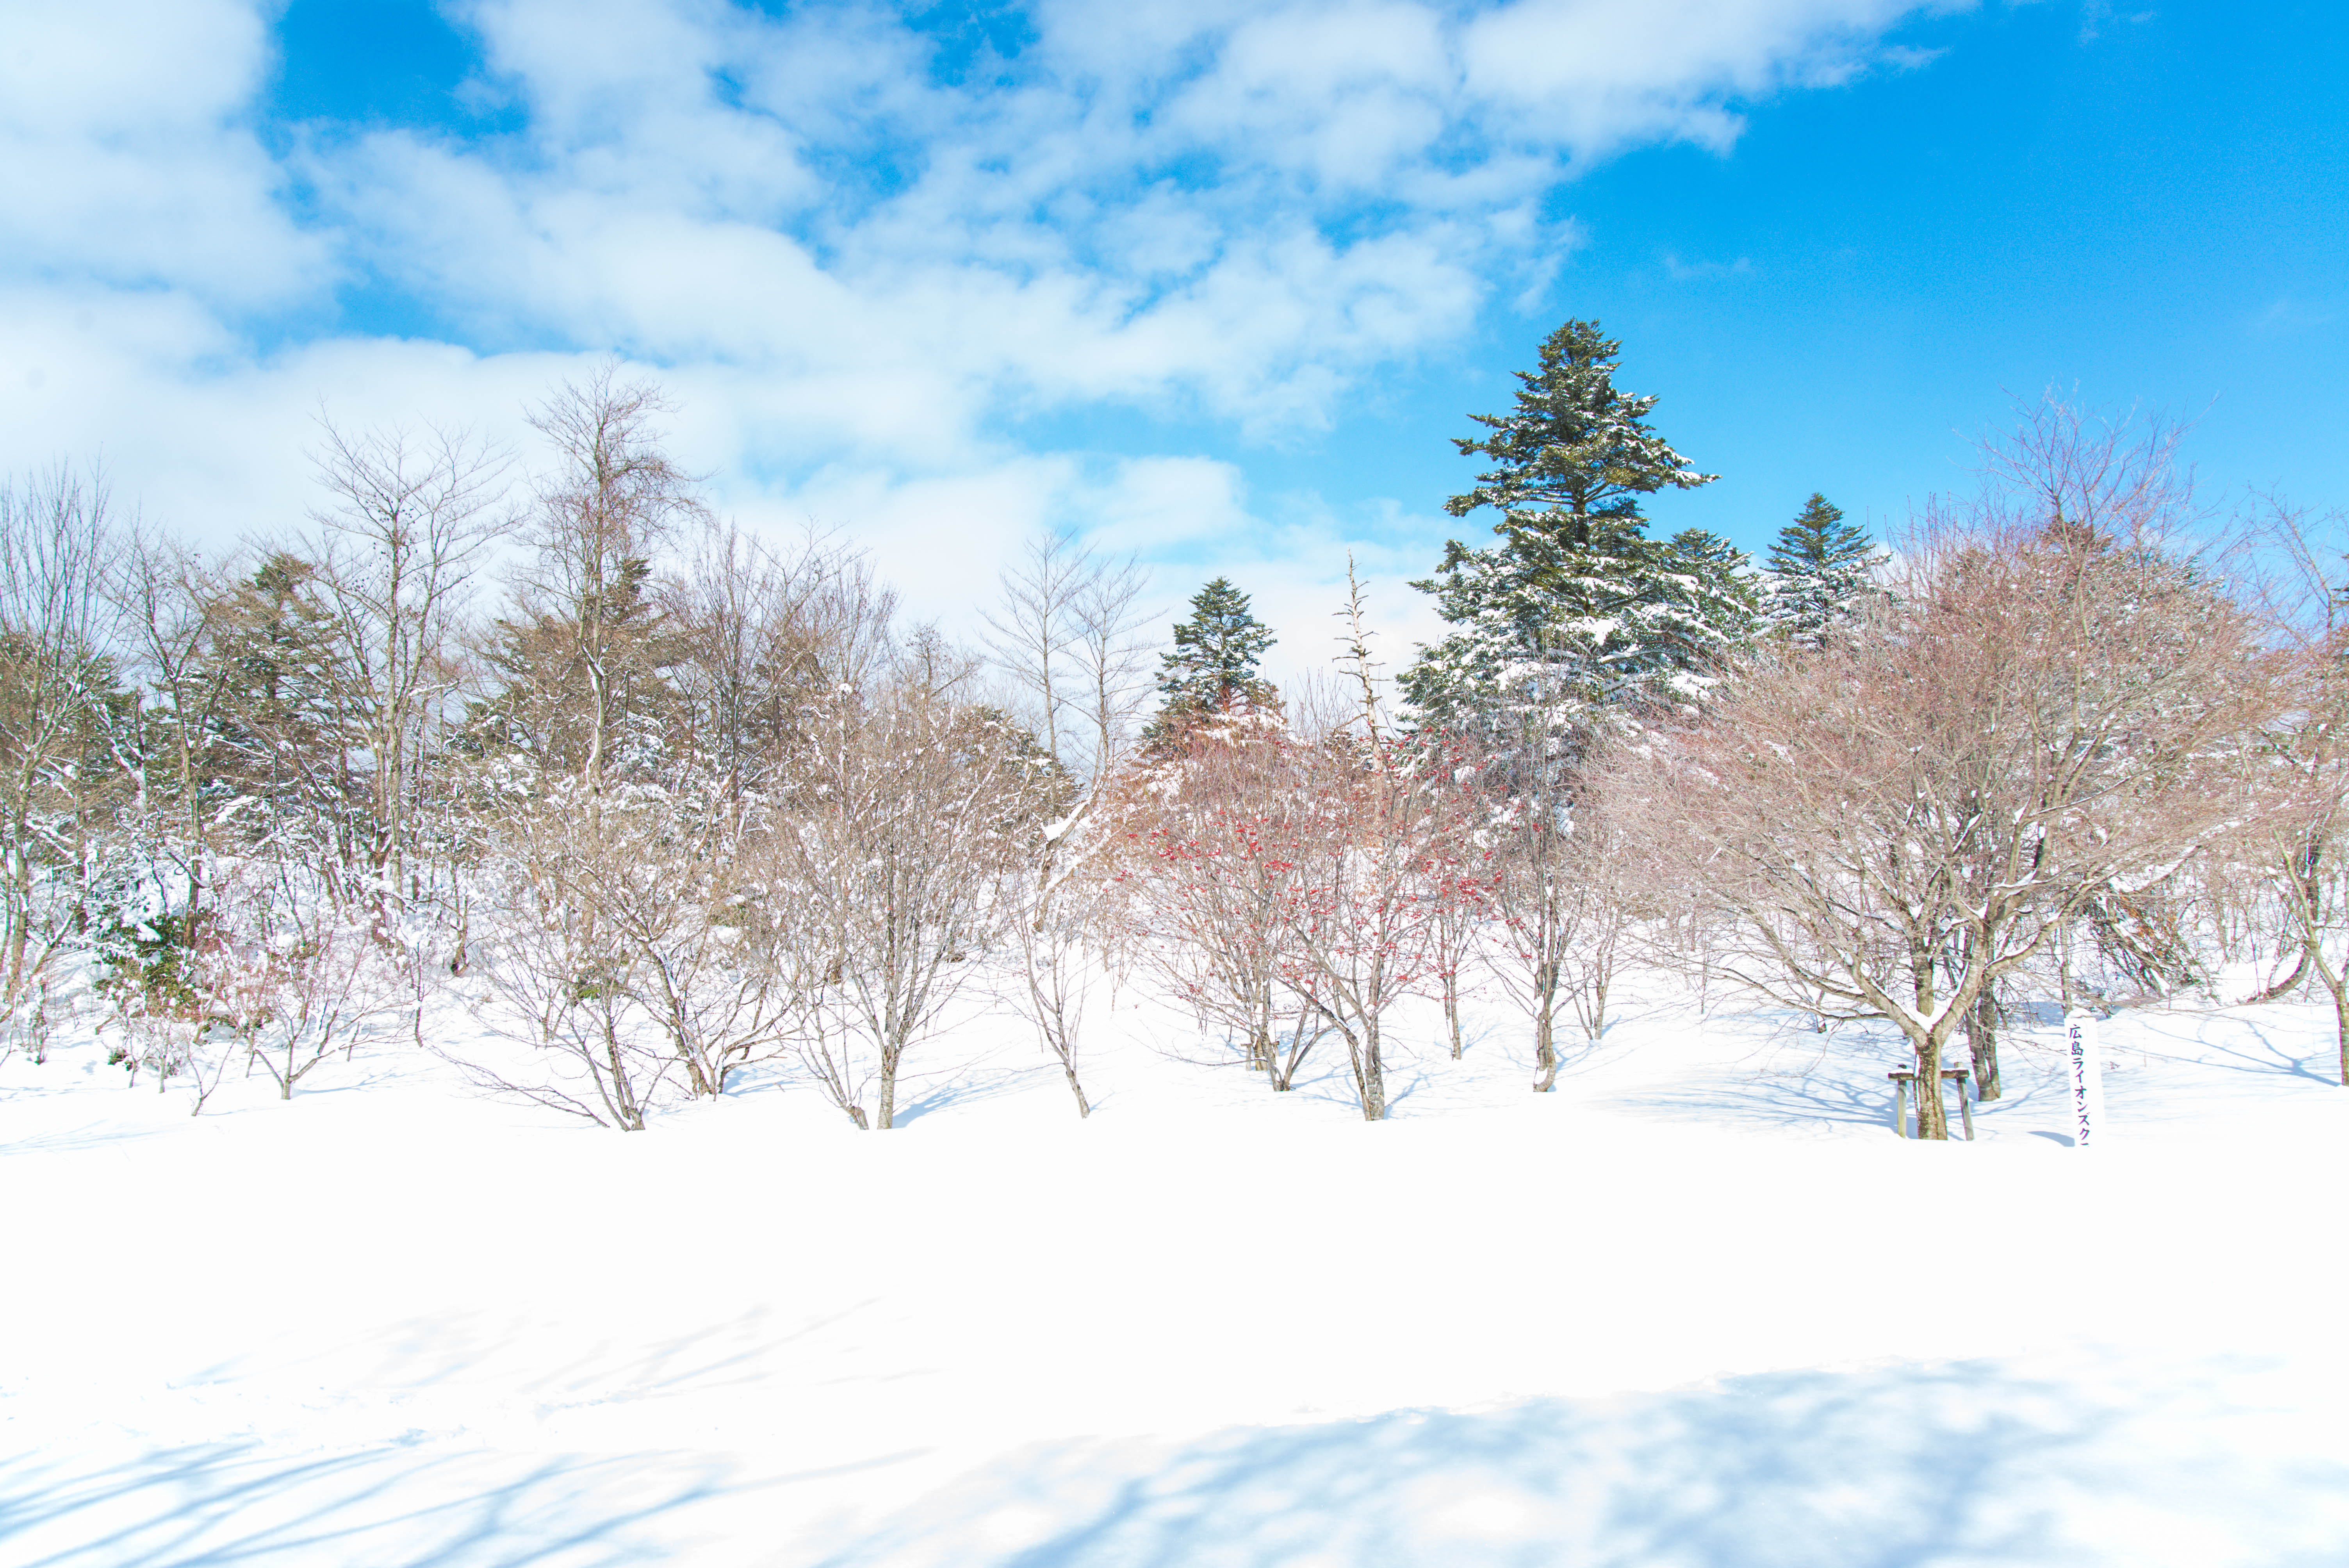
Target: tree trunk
1981,1033
20,875
1452,1009
625,1109
1084,1107
2299,971
2341,1031
1260,1048
2063,959
1375,1077
195,862
1546,979
1284,1064
1932,1116
887,1111
2337,980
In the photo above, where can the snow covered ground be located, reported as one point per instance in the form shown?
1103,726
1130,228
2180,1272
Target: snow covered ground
1698,1307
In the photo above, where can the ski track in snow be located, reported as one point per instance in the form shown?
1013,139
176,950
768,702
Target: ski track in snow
1697,1307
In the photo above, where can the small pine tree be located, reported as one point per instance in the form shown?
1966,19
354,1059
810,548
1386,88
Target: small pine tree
1213,666
1819,571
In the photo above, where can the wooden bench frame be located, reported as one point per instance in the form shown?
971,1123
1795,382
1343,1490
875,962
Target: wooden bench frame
1902,1078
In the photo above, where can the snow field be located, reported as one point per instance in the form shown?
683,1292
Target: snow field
1700,1306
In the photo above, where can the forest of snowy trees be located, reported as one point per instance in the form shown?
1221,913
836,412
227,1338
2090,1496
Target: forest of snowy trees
671,799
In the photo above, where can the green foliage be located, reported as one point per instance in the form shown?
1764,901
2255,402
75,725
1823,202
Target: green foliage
1577,614
149,964
1213,669
1819,571
282,732
1043,789
546,665
1575,454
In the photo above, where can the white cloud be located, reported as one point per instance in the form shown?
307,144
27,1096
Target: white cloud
1241,209
123,157
853,270
1599,75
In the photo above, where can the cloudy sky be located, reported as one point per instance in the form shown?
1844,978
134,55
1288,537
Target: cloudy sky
1209,281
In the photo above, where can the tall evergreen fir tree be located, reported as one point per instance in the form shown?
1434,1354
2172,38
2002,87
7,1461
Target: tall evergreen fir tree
1576,453
1213,666
1818,571
1577,612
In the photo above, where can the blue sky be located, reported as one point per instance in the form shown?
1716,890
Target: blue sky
1214,282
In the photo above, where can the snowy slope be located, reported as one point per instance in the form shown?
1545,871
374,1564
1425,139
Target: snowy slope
1699,1307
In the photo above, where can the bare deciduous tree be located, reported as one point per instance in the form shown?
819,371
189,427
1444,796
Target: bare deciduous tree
565,972
1205,836
749,653
1059,932
409,516
682,879
611,503
2299,837
56,678
1563,908
1064,634
902,811
177,609
289,976
2047,708
1368,867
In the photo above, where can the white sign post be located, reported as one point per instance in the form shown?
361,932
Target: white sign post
2087,1076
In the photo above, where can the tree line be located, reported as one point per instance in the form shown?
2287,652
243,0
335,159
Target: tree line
675,800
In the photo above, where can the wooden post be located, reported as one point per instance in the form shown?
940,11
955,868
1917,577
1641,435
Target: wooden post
1965,1106
1900,1102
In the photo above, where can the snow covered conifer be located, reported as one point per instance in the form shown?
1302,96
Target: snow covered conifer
1818,571
1213,666
1576,453
1576,610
